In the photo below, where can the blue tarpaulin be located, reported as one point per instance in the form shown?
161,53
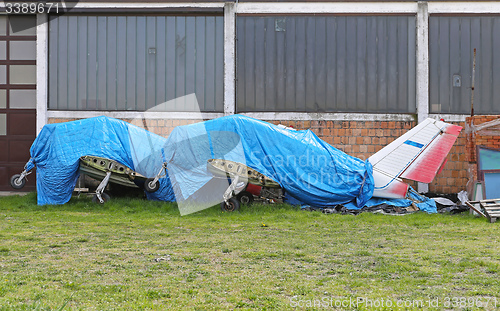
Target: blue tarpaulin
57,150
307,168
422,202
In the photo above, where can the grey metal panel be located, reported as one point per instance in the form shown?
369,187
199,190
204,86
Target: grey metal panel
485,59
81,74
341,65
280,86
412,65
351,50
433,67
219,64
382,69
270,64
290,67
210,65
326,63
101,66
140,63
135,62
160,72
91,101
180,57
131,65
331,51
170,61
361,55
260,71
240,65
63,58
371,65
200,82
111,63
150,51
121,64
310,73
495,69
248,79
392,68
190,60
320,66
452,41
53,45
300,71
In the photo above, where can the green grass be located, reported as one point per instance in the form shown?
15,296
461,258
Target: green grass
139,255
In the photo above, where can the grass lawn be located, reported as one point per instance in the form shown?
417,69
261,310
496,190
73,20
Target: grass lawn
132,254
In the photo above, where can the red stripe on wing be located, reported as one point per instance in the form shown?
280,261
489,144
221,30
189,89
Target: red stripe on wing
425,167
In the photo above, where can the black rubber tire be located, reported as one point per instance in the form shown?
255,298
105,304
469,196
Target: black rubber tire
149,186
245,197
104,196
16,183
231,206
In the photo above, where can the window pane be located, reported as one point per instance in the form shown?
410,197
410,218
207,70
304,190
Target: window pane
3,50
491,189
3,74
22,25
3,25
489,159
22,50
3,124
3,99
23,74
22,99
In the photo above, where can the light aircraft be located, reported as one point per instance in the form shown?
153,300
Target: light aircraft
213,161
417,155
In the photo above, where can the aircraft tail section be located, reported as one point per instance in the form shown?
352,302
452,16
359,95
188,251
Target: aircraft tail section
418,155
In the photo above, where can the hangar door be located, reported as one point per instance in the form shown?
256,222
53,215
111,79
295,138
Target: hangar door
17,98
136,63
452,40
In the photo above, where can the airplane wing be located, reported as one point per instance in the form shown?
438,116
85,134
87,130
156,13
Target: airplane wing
418,154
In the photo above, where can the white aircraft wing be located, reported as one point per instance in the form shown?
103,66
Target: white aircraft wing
417,155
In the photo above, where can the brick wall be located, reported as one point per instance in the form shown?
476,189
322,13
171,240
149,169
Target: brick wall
488,137
480,138
357,138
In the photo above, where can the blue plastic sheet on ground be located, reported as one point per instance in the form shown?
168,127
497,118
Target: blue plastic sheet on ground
57,150
422,202
308,169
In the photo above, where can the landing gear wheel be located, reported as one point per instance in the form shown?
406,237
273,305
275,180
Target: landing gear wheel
245,197
231,205
150,185
105,197
16,182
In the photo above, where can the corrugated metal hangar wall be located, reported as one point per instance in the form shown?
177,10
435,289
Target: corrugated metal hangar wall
284,63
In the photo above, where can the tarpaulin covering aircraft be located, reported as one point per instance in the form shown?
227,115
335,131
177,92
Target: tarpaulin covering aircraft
307,168
57,150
